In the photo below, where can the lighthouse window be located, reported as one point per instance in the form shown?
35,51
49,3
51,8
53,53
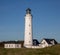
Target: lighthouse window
29,41
29,33
29,25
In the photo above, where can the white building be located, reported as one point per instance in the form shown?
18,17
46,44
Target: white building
28,29
9,45
12,44
47,42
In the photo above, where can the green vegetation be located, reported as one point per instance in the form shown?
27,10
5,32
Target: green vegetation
54,50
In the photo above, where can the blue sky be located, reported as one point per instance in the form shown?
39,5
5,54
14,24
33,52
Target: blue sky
46,19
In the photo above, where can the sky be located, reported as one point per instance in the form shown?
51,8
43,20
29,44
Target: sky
46,19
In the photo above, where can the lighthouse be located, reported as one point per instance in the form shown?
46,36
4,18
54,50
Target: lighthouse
28,29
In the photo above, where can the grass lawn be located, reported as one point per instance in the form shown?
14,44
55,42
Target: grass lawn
54,50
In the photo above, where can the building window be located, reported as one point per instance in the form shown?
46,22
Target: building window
6,45
9,45
17,45
35,43
44,43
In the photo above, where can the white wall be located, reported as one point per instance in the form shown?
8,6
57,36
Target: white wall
37,47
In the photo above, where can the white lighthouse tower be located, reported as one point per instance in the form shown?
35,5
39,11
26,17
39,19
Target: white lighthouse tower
28,29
